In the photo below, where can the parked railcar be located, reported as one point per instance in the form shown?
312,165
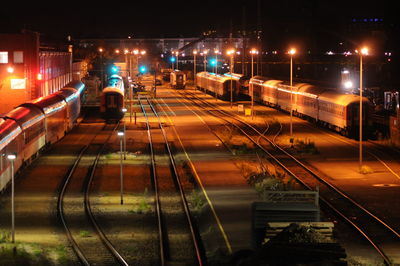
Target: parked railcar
328,107
112,98
72,96
32,122
178,79
11,142
340,112
242,82
219,85
54,108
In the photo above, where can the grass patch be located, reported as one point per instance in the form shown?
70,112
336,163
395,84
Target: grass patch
196,201
84,233
366,170
142,206
23,254
304,146
234,140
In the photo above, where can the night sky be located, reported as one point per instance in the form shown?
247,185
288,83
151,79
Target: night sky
180,18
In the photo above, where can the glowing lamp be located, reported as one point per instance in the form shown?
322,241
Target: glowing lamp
11,157
39,76
142,69
348,84
10,69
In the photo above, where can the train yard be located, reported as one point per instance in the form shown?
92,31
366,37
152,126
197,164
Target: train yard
183,185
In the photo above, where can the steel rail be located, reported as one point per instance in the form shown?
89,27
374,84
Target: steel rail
88,210
156,192
363,209
199,256
60,207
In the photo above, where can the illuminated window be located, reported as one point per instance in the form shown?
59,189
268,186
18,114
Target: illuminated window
18,57
3,57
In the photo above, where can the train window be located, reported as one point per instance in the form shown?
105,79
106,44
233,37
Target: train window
18,57
3,57
111,103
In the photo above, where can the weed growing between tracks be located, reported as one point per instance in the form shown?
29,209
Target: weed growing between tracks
32,254
142,205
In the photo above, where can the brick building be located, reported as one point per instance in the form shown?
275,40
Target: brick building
29,71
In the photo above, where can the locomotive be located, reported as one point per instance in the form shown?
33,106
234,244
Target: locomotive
27,129
112,98
178,79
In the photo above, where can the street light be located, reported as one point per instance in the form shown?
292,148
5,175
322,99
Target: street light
12,158
252,52
124,111
194,67
231,53
363,51
291,52
121,174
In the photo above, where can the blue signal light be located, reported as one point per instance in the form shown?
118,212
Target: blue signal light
114,69
213,62
142,69
172,59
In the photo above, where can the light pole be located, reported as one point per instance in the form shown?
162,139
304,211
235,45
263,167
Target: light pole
216,61
124,111
252,52
291,52
205,60
231,53
194,67
101,70
12,158
177,59
363,51
121,174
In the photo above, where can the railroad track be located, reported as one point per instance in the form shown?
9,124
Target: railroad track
179,239
85,236
383,238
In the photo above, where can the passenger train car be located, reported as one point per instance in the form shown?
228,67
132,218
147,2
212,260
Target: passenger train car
325,106
27,129
219,85
178,79
112,98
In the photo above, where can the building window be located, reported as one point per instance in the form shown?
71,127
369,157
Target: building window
18,57
3,57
